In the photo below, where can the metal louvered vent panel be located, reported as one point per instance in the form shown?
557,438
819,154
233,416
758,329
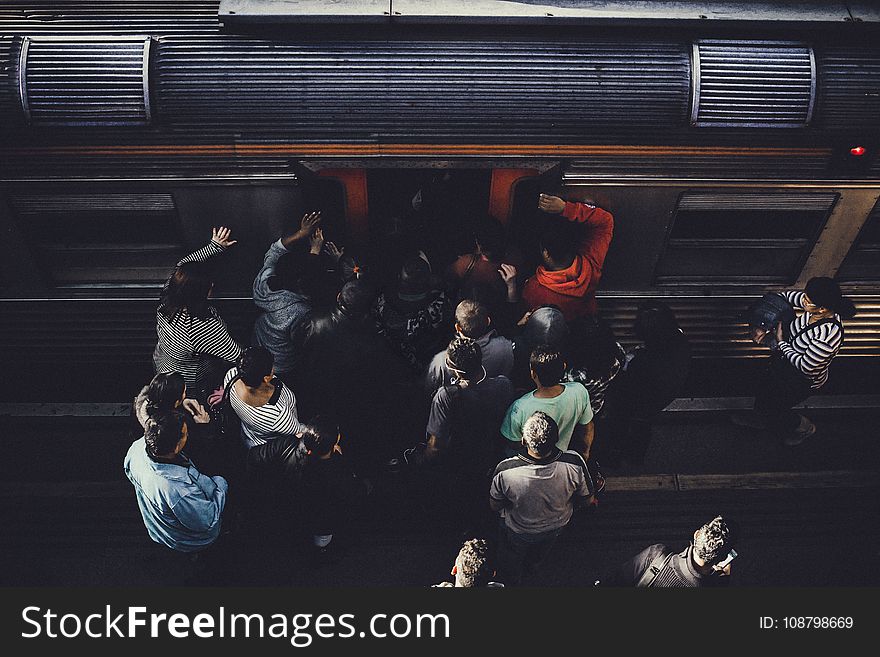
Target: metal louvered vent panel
79,82
109,17
412,90
784,167
753,84
849,88
10,107
805,201
38,204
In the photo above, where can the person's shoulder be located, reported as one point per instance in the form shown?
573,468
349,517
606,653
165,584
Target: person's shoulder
233,371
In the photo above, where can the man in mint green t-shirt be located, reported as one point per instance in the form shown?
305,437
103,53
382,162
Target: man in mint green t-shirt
567,403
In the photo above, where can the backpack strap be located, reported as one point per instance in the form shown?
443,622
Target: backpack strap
824,320
654,568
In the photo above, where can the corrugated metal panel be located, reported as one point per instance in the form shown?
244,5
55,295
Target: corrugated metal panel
449,90
117,332
783,167
715,328
84,17
34,204
791,201
10,107
849,88
100,81
752,84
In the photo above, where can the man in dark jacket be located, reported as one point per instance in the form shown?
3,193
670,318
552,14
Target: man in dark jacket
705,562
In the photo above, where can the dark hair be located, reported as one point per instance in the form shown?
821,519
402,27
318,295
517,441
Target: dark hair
465,354
415,275
356,298
292,273
187,292
472,564
489,234
162,432
350,268
319,436
472,318
540,432
254,364
546,325
548,364
163,392
714,540
559,242
655,323
592,347
825,292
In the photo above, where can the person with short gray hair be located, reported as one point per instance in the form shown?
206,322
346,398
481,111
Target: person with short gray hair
473,567
536,493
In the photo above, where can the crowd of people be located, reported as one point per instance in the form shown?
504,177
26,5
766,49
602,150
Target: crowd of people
494,392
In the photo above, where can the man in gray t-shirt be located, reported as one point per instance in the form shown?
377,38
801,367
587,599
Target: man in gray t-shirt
536,494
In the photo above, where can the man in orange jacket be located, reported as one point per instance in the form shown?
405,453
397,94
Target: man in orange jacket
570,274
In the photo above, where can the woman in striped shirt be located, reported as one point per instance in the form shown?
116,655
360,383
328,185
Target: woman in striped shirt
267,409
192,335
802,352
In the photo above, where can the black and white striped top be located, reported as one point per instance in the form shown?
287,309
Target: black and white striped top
185,342
274,419
812,351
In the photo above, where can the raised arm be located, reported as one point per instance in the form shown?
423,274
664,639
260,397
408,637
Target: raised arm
219,243
598,225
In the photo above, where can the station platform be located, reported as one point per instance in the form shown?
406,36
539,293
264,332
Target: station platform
807,514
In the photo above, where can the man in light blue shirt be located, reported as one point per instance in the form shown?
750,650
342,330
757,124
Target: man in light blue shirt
567,403
181,507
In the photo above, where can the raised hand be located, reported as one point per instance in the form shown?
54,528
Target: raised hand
508,273
221,236
551,204
309,222
316,241
200,415
333,251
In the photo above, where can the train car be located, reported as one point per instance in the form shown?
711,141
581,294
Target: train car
736,151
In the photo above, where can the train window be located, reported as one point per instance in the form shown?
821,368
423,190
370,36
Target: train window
863,261
100,240
747,237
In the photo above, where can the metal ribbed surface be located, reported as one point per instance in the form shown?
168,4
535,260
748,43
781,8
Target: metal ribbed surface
806,201
36,204
849,87
749,85
109,17
101,81
862,263
785,167
124,331
451,90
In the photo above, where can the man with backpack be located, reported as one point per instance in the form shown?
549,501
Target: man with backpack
703,563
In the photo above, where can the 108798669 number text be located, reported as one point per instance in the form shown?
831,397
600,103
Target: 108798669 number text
817,622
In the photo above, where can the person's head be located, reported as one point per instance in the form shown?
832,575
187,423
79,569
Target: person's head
350,268
655,323
713,541
471,319
557,246
489,238
547,365
464,357
322,438
592,347
823,294
165,393
355,298
292,272
255,366
415,278
188,290
472,566
540,433
546,325
165,434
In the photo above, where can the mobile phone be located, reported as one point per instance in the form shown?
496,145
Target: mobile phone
721,565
